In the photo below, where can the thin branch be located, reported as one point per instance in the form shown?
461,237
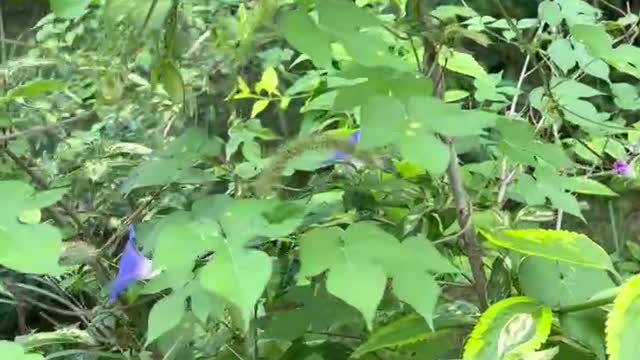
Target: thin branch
471,247
81,117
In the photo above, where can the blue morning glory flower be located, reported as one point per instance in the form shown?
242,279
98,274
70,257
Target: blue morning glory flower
133,267
340,156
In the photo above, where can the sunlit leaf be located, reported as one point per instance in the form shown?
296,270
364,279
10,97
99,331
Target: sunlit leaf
557,245
623,323
502,324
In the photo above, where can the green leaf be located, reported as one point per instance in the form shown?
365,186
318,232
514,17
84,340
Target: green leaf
595,39
137,12
447,119
547,354
623,323
360,284
239,276
172,82
562,54
455,95
511,327
344,16
320,249
583,185
304,35
460,62
557,245
69,9
13,351
17,240
419,290
407,330
205,304
549,11
32,216
179,243
587,328
36,88
165,315
46,198
558,284
444,12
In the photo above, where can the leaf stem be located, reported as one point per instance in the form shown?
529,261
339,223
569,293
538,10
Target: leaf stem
586,305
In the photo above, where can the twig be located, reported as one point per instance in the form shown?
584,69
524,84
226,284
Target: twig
129,220
81,117
196,45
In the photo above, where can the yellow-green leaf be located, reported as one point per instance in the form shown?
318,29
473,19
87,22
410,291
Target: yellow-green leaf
243,87
258,107
460,62
32,216
623,324
455,95
172,83
518,324
557,245
268,82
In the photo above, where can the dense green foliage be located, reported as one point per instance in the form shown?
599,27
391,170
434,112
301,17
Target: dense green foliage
319,179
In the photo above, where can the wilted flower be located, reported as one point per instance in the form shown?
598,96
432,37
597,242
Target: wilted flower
623,168
133,267
341,156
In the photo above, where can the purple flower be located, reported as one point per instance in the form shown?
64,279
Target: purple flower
623,168
341,156
133,267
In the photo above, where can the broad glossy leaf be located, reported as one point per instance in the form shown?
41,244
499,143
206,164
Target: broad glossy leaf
557,245
559,284
623,323
165,315
485,339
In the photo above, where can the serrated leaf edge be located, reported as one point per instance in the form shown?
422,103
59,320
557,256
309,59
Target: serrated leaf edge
476,343
629,293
